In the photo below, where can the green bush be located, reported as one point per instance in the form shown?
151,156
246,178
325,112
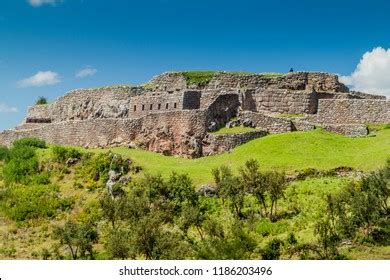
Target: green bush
41,179
21,203
96,167
273,250
41,101
4,153
22,164
30,142
199,78
61,154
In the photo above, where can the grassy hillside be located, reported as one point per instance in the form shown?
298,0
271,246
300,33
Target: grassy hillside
41,194
288,152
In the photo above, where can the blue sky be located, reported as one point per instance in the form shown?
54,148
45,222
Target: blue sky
48,47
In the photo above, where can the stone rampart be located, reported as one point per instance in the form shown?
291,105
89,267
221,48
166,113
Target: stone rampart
351,130
353,111
285,101
219,143
267,123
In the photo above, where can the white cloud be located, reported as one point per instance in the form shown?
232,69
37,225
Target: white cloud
38,3
42,78
86,72
4,108
372,74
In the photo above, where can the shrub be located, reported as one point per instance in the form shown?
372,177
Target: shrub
273,250
22,164
78,237
30,142
118,244
41,101
21,203
96,167
41,179
61,154
4,153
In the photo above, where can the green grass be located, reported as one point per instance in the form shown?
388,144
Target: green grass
377,127
289,152
202,78
233,130
199,78
266,74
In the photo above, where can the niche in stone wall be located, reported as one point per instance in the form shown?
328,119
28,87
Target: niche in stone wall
191,100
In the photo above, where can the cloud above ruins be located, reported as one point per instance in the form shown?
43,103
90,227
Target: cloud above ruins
39,3
86,72
372,73
42,78
4,108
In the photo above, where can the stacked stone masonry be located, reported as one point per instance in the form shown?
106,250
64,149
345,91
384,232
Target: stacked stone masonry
170,116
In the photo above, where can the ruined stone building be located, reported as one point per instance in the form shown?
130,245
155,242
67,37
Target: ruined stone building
174,115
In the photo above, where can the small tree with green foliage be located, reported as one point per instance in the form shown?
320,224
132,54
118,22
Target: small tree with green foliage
41,101
254,182
79,238
230,187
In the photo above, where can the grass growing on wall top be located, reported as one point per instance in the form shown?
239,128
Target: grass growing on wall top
233,130
199,78
289,152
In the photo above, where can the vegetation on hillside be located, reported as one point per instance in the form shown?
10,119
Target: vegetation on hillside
57,203
287,152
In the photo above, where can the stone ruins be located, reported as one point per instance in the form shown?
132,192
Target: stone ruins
174,115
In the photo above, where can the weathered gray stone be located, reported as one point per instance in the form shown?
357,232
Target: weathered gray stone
351,130
71,161
207,191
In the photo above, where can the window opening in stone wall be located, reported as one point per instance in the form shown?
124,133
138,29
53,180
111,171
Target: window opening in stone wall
175,105
159,106
167,106
135,108
151,106
143,107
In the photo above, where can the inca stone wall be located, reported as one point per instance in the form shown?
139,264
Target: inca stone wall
169,116
153,103
293,81
267,123
353,111
89,104
352,130
219,143
170,133
285,101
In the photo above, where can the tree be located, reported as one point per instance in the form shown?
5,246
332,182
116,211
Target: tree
273,250
328,240
41,101
254,182
230,187
118,244
79,238
182,191
114,209
192,216
276,184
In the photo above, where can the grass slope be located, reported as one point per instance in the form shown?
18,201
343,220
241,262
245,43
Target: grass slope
289,152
